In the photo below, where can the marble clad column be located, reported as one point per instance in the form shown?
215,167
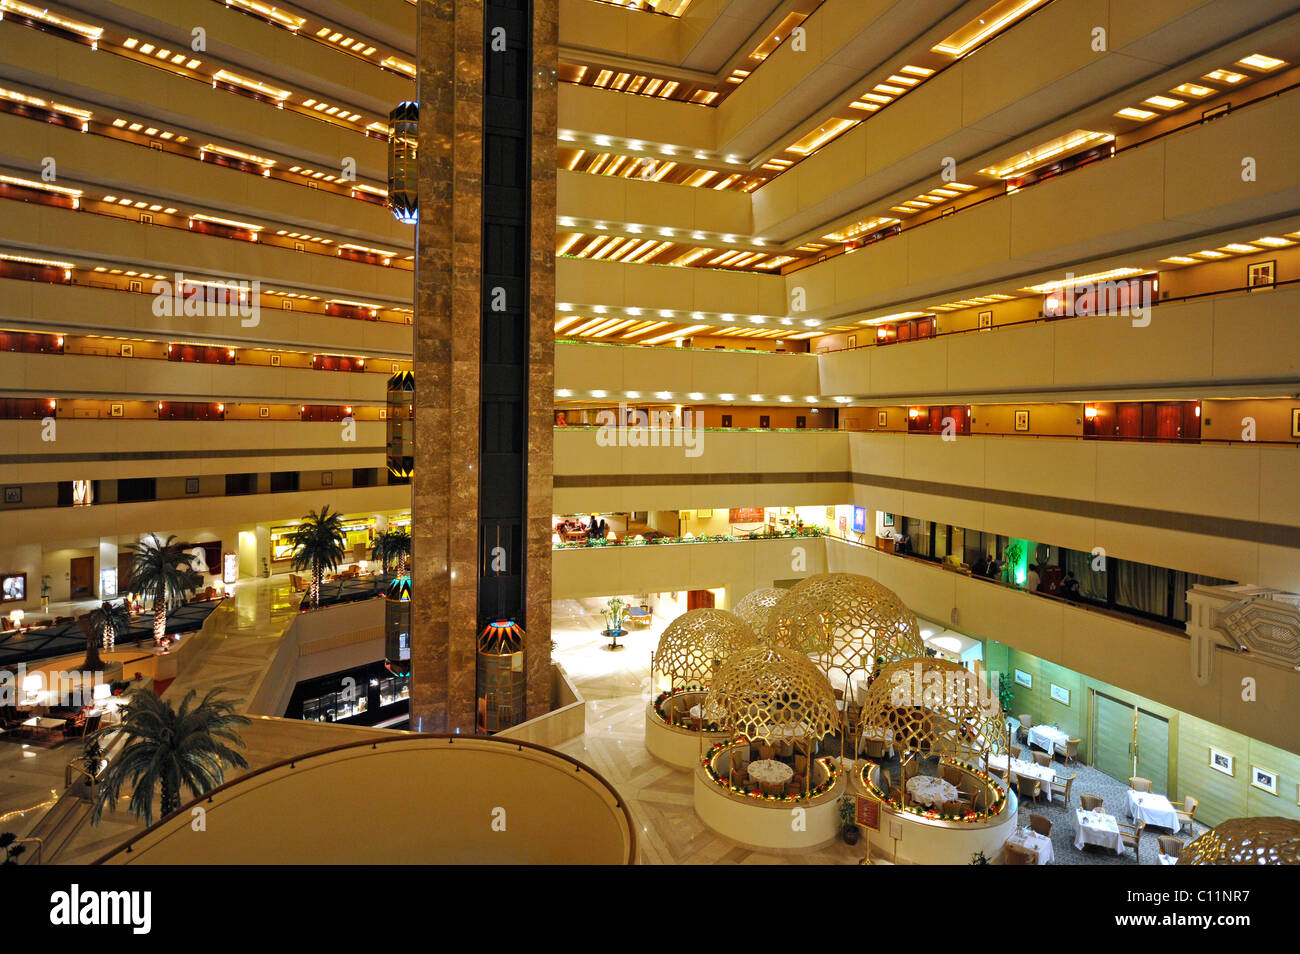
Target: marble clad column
444,526
541,371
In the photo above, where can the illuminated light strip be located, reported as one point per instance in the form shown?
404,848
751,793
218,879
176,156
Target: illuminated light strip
776,262
816,140
225,76
369,251
989,22
1047,151
692,256
43,186
566,322
595,244
668,167
572,240
399,64
25,260
576,159
1076,280
382,193
652,253
900,316
89,31
288,20
682,333
591,323
202,217
236,154
356,304
36,101
619,326
645,330
614,245
607,323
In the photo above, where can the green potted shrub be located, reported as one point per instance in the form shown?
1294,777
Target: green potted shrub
849,830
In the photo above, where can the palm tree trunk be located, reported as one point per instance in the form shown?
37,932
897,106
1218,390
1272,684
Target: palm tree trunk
171,797
92,662
315,585
159,619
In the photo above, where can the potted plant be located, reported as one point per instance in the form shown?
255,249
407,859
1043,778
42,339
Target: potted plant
849,830
615,612
979,858
645,602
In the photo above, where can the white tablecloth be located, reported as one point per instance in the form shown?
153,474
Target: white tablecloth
1168,859
1028,838
926,790
770,772
1096,828
712,715
1031,769
1047,738
1153,809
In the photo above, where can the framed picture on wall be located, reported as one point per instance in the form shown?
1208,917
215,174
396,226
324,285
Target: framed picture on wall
705,514
191,485
882,419
830,513
128,351
263,411
1263,779
853,341
1261,274
327,478
116,410
1022,420
1295,422
1024,679
986,319
13,495
887,520
275,360
1221,761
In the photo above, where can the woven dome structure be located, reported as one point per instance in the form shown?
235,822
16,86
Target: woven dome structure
773,695
696,643
936,707
756,608
1246,841
849,622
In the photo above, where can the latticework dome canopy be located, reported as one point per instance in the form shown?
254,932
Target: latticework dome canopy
848,621
1246,841
775,695
756,608
936,707
696,643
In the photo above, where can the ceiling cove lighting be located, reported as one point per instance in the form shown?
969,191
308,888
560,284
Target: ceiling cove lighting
43,186
43,15
1076,280
229,223
275,14
1039,155
1260,62
398,64
994,19
236,154
252,85
1137,115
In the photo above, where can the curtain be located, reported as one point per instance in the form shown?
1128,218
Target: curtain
1142,587
1092,584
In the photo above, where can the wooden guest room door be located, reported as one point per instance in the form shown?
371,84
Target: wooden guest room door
699,599
81,574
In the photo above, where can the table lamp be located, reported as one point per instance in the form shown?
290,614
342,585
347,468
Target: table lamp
102,693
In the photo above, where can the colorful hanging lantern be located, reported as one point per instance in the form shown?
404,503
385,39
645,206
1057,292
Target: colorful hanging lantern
403,168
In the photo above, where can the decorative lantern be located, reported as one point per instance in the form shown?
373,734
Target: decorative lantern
500,676
403,169
401,425
397,626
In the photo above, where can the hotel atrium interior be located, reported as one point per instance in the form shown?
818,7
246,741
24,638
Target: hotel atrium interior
849,432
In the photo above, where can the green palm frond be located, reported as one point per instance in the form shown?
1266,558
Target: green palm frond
170,749
162,570
318,541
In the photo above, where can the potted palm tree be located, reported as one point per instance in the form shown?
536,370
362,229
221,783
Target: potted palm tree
392,547
167,749
102,627
165,572
318,545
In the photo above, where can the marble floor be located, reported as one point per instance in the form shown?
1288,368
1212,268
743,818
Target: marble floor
616,686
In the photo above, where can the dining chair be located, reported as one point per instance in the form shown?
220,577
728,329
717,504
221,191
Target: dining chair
1139,784
1041,824
911,770
766,751
953,808
1026,723
1070,751
875,749
951,774
1014,854
1091,803
1170,845
1130,836
1043,758
1029,787
1061,786
1014,750
1186,809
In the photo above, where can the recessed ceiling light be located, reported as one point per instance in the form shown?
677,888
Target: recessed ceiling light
1179,260
1258,61
1210,253
1139,115
1273,241
1192,89
1163,102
